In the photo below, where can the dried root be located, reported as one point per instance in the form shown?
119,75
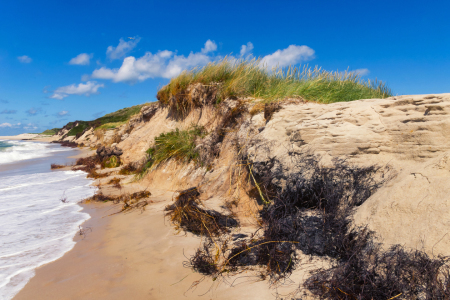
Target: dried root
187,214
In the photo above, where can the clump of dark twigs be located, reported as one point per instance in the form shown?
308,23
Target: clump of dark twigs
66,144
141,195
115,182
104,198
63,198
202,261
56,166
89,165
309,213
128,169
187,214
371,273
129,201
312,213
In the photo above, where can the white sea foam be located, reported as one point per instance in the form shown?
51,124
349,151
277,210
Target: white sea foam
35,226
23,150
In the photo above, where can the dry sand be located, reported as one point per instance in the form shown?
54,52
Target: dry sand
29,136
138,255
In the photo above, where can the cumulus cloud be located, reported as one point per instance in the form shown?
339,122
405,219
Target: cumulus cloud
168,64
292,55
81,59
8,112
164,64
361,72
9,125
24,59
33,111
88,88
246,49
210,46
122,49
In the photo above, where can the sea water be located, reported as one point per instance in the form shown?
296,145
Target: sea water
36,227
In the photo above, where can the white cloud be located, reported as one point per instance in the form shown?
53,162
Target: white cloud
24,59
88,88
210,46
246,49
167,64
164,64
361,72
81,59
122,49
9,125
292,55
63,113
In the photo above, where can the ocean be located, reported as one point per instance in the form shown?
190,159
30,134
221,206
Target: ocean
36,227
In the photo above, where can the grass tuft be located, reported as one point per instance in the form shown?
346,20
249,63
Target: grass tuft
177,144
248,78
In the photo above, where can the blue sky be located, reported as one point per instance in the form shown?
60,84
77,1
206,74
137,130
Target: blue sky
74,60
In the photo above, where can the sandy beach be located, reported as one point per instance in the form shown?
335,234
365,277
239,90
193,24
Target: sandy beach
139,255
136,255
28,137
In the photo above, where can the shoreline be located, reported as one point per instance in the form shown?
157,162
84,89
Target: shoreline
136,255
58,222
139,255
28,137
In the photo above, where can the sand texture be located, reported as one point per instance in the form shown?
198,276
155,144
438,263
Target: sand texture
140,255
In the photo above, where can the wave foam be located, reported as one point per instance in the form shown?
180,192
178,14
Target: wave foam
35,226
22,150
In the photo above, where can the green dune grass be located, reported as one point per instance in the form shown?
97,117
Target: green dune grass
249,78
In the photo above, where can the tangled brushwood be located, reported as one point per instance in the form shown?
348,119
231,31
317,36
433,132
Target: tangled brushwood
371,273
311,212
89,165
187,214
129,201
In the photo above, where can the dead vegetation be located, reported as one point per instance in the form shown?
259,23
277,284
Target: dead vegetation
115,182
129,201
89,165
312,213
128,169
66,144
371,273
268,108
63,198
56,166
187,214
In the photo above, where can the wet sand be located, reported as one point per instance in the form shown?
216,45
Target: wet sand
139,255
135,255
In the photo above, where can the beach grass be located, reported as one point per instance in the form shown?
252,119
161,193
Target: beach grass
177,144
249,78
108,121
111,125
52,131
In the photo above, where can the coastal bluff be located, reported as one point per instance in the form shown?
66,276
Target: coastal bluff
410,134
